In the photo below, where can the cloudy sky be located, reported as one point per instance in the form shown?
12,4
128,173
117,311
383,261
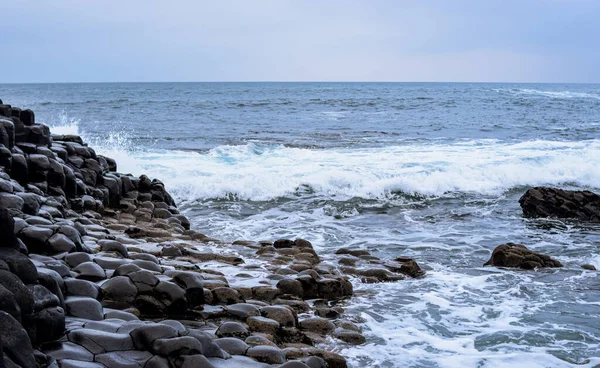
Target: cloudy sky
300,40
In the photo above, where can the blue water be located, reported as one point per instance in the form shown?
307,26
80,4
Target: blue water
427,170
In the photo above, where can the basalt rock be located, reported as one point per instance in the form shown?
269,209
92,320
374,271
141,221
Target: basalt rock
518,256
559,203
91,253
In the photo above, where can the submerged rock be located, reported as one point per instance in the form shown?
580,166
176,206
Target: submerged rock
552,202
518,256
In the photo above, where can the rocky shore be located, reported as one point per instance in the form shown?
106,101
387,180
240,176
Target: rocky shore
99,269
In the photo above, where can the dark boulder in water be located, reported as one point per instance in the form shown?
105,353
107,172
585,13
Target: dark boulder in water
559,203
518,256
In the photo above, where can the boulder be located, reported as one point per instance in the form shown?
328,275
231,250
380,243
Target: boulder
50,324
559,203
15,342
145,336
518,256
184,345
232,329
84,307
119,289
7,235
266,354
19,264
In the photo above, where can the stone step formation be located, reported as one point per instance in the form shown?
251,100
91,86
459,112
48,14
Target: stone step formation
99,269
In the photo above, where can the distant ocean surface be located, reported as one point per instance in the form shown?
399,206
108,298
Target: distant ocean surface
429,171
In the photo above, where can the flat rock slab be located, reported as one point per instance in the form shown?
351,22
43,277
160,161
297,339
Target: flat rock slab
69,350
97,341
124,359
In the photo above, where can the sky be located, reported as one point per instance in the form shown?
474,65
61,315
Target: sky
300,40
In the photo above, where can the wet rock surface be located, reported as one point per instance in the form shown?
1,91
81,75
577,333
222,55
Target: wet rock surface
99,269
519,256
559,203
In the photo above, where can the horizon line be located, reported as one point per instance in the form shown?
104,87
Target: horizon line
274,81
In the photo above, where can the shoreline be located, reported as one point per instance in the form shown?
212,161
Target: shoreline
105,271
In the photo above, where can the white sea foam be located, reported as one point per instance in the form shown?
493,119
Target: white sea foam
439,320
445,319
254,172
552,94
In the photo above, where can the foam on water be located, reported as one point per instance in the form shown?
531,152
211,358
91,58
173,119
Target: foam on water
551,94
452,319
265,172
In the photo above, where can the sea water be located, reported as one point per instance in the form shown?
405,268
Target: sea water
429,171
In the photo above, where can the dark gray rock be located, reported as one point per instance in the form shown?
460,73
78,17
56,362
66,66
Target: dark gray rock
147,265
42,297
124,359
144,336
90,271
176,346
75,287
195,361
172,296
50,324
113,246
8,303
157,362
552,202
266,354
144,280
243,310
281,314
15,341
318,325
36,237
225,295
262,324
60,243
31,203
122,315
68,350
19,169
19,264
295,364
119,289
232,345
178,326
76,258
53,282
209,348
7,234
21,293
71,363
11,201
98,342
84,307
126,269
232,329
27,117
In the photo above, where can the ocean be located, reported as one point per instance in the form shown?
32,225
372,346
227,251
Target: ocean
431,171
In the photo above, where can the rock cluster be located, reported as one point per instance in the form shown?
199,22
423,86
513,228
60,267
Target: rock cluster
559,203
99,269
